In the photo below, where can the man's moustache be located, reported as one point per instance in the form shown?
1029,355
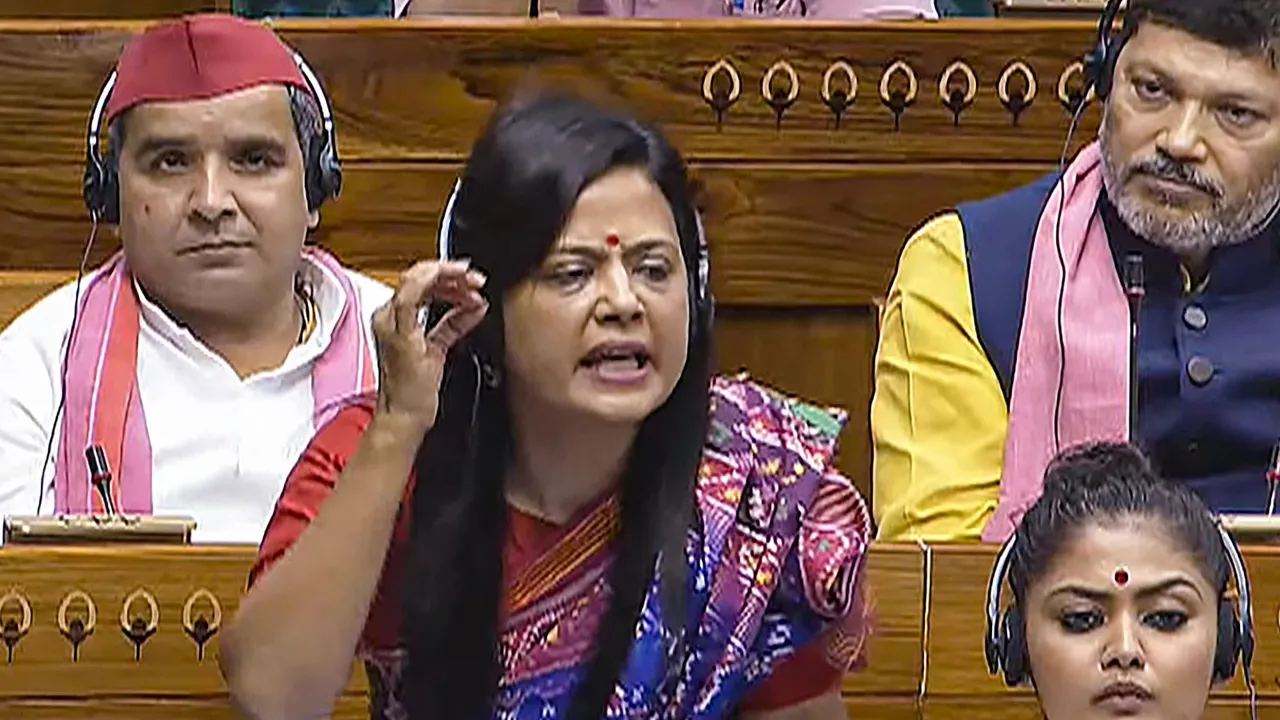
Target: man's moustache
1166,169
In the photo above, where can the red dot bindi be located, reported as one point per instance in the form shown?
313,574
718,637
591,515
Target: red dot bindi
612,241
1122,576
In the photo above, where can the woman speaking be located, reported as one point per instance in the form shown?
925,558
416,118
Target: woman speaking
553,508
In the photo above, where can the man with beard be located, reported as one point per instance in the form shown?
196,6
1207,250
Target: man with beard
1006,332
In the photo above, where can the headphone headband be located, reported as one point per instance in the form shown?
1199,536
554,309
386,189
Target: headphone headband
323,170
1100,63
699,287
100,107
1005,639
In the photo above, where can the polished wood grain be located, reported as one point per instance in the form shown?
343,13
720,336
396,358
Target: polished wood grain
348,708
44,665
837,350
422,89
19,289
895,655
42,682
780,236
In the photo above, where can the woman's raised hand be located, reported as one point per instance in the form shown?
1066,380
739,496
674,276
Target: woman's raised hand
410,356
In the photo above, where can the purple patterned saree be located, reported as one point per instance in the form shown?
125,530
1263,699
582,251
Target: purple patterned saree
776,565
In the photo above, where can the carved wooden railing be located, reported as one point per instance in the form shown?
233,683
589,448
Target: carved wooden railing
133,633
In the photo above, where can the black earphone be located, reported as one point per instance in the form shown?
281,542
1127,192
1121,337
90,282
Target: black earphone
1006,642
1100,63
702,302
323,169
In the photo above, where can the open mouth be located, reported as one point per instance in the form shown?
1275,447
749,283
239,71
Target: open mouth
618,364
616,358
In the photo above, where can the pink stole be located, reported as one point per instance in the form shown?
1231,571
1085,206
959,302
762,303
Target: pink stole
1095,332
103,405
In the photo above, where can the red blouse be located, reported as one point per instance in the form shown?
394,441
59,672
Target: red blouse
802,677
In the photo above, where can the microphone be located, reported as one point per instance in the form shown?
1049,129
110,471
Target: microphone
1273,478
1135,288
100,476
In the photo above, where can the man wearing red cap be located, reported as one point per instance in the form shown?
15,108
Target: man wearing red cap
202,357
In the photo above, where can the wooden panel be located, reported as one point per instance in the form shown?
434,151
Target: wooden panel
895,708
107,9
823,356
44,666
19,289
895,655
348,708
422,89
785,236
43,682
956,627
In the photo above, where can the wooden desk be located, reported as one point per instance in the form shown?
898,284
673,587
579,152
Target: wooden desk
925,658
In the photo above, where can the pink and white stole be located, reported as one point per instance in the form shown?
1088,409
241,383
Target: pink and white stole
1095,332
102,402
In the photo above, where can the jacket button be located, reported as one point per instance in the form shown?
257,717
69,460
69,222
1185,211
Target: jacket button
1195,317
1200,370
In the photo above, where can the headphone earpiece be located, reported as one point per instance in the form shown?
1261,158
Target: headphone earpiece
1235,620
1014,662
101,186
1228,648
703,301
1006,637
324,169
1100,63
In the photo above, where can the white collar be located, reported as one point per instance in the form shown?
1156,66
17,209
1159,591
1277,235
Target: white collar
326,290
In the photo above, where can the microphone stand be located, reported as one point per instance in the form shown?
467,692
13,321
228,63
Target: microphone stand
1273,478
100,476
1134,289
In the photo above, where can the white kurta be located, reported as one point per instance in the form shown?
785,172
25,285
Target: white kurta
221,446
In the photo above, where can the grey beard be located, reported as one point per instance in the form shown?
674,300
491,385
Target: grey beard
1224,224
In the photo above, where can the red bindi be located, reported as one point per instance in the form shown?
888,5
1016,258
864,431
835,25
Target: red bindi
612,241
1122,576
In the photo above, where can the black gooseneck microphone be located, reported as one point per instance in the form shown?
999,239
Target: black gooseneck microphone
1135,288
100,476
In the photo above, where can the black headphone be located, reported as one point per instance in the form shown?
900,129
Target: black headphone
702,303
323,169
1006,641
1100,63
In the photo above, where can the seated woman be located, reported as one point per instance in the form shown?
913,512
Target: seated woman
1120,594
553,508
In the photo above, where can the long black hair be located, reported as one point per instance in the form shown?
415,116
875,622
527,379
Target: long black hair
520,184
